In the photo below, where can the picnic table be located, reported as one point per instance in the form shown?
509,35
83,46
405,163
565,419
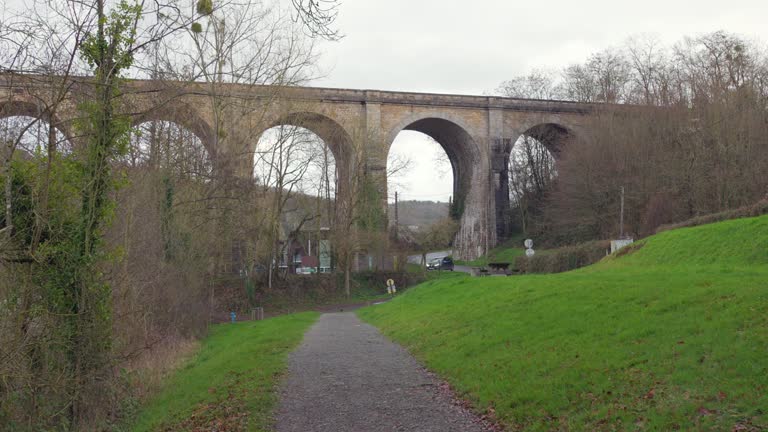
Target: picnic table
499,266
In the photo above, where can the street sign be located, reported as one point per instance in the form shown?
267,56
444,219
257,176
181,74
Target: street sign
529,252
528,243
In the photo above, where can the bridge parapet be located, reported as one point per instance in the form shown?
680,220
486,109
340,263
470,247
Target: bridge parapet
318,94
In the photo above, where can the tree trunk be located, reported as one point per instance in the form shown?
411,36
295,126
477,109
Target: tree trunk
347,272
272,264
41,215
7,174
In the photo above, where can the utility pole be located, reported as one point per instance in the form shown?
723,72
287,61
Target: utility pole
621,216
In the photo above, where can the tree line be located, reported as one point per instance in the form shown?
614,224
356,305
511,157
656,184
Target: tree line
114,238
682,128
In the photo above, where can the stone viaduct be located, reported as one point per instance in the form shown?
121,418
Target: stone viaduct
359,126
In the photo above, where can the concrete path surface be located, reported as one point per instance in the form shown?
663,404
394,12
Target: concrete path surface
346,376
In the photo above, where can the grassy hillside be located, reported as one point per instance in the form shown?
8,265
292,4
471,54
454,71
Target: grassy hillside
673,336
230,383
419,213
729,244
506,252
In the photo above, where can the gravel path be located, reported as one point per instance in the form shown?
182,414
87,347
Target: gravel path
346,376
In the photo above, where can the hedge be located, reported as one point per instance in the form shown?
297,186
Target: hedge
565,258
758,209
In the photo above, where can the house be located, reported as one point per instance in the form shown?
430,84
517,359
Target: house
307,250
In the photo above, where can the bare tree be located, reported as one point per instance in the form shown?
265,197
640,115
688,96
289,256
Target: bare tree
697,150
648,60
281,169
531,176
539,84
61,349
318,17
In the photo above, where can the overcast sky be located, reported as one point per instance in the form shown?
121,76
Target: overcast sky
470,47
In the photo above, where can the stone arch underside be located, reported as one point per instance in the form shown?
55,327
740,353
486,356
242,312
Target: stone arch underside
332,133
464,155
185,116
554,136
338,140
23,108
459,146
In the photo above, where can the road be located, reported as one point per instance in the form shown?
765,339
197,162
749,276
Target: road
416,259
346,376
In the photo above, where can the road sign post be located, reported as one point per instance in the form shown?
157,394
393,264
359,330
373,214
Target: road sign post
529,252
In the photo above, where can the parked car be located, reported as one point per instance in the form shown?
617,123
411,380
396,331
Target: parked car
445,263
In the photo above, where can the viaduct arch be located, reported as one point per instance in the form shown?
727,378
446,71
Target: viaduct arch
35,109
359,126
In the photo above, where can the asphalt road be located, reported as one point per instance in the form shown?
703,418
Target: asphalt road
346,376
416,259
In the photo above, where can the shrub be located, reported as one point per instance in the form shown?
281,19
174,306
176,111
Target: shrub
758,209
565,258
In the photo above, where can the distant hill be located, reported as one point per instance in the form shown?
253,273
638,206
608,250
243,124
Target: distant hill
418,213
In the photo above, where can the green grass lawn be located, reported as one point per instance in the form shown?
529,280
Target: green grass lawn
230,384
503,253
673,336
